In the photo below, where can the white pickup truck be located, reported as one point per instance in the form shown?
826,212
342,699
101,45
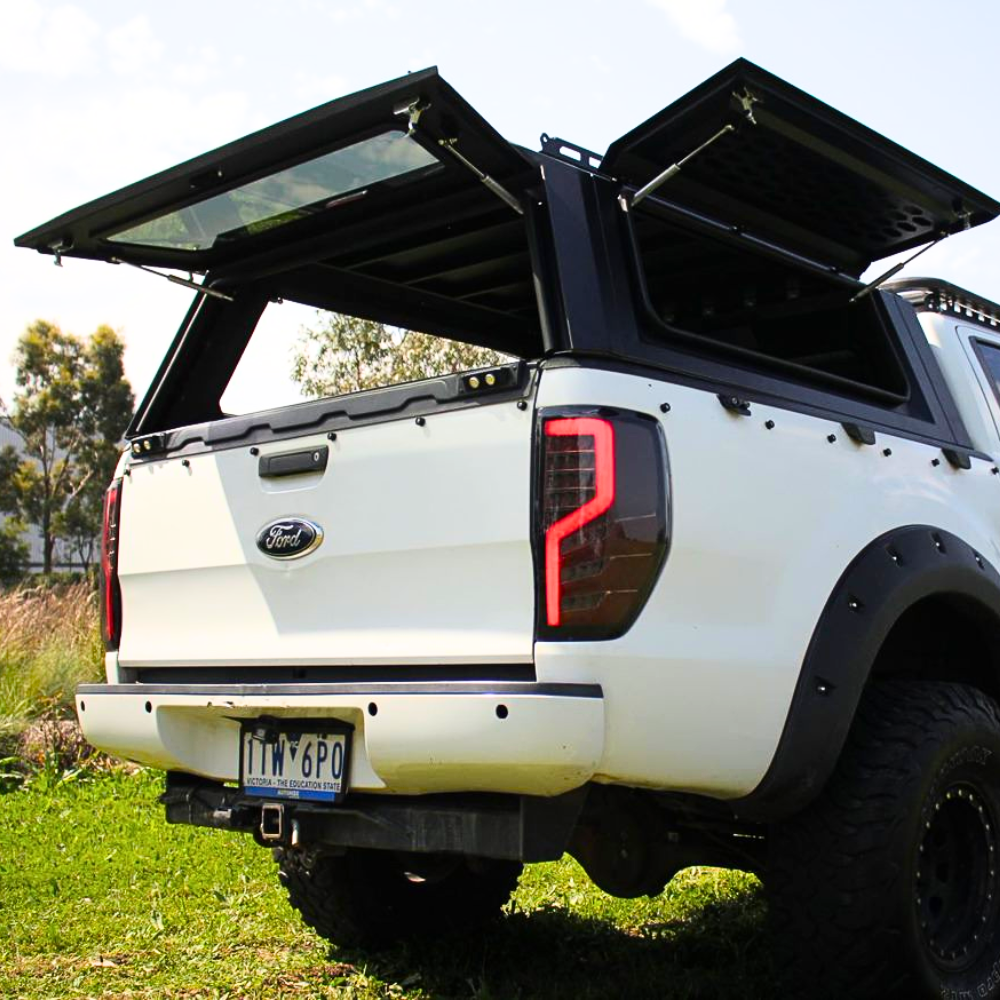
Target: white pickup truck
706,574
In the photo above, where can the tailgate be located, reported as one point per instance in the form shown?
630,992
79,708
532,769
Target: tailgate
425,556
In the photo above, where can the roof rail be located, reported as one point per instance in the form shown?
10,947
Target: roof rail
935,295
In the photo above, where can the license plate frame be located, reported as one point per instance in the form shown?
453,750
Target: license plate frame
289,786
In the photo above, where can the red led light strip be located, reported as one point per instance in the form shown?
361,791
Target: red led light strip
109,558
604,496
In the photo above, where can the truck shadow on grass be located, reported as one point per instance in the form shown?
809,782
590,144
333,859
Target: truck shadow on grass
719,950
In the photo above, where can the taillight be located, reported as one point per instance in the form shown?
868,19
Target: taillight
111,595
602,520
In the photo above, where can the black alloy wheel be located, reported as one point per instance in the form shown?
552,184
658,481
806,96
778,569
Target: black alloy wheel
955,878
888,886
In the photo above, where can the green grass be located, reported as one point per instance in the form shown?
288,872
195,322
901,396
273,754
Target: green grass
99,898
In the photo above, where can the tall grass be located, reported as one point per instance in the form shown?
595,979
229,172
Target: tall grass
50,640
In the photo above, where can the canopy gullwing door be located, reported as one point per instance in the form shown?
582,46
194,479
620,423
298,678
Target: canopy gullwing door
364,156
795,172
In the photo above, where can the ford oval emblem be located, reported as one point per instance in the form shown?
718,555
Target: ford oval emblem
289,538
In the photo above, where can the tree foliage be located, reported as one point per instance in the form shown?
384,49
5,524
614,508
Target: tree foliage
13,548
347,354
70,409
13,551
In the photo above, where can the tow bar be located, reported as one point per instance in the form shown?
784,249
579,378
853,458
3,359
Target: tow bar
273,826
272,821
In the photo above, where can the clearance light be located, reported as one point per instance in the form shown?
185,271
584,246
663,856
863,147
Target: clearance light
505,377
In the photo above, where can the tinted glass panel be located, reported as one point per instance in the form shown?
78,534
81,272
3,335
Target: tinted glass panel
284,196
990,357
718,299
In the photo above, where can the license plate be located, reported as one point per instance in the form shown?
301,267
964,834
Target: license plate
295,765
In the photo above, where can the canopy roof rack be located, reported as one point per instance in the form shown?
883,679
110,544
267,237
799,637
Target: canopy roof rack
936,295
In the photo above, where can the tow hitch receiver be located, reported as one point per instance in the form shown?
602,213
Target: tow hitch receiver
272,821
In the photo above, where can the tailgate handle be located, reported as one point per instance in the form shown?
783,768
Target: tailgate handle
293,463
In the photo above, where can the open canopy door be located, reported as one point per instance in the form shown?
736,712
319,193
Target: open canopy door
795,172
365,156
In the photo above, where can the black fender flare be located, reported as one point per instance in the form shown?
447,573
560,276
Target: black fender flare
884,580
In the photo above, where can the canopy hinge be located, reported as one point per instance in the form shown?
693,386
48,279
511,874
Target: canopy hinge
413,110
59,248
746,101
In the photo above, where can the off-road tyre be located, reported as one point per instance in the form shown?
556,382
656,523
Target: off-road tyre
887,885
379,898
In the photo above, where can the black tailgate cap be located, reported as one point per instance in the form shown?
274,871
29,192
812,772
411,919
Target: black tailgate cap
804,176
117,226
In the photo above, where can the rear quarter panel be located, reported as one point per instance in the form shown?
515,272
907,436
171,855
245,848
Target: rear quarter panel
764,523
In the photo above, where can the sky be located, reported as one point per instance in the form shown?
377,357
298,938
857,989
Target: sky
94,95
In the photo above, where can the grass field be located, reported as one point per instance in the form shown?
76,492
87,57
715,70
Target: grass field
50,640
99,898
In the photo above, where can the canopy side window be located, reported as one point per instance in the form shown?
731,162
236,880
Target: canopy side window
715,298
989,358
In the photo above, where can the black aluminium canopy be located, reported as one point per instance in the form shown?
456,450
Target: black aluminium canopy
271,187
801,174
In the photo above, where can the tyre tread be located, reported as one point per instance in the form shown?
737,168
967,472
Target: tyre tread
355,899
832,867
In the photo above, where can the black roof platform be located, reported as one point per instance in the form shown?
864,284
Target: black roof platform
771,161
403,201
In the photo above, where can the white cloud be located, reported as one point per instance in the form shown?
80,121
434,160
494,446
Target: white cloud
56,42
91,145
706,22
80,151
202,64
344,13
133,47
